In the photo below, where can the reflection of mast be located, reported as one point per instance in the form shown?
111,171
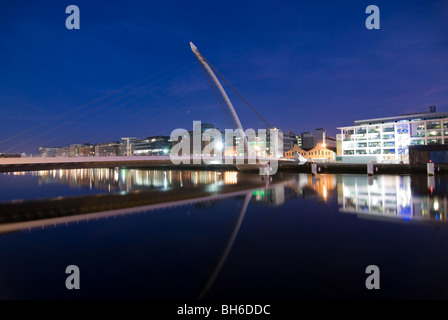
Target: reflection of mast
228,247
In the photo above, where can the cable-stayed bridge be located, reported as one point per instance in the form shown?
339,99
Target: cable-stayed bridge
248,162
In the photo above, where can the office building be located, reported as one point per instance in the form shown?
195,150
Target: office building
108,149
152,146
308,140
290,139
82,150
387,140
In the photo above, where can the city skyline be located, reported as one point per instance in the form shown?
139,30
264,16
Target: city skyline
129,71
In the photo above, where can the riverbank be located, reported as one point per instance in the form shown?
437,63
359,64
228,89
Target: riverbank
164,163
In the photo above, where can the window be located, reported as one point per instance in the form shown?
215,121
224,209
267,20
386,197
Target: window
389,144
388,136
434,141
361,151
389,151
417,129
433,125
419,134
434,133
420,142
348,134
445,133
388,129
375,151
375,129
349,152
362,144
374,144
374,136
402,128
445,124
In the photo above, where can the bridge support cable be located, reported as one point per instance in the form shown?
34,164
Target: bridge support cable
119,94
268,125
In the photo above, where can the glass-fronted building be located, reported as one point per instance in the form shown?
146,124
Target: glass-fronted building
387,140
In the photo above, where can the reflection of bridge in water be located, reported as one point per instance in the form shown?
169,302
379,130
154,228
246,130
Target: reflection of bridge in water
130,191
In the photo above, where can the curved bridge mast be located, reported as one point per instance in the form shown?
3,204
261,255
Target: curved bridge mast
204,63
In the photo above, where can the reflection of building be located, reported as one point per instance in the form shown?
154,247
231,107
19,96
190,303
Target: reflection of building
388,196
274,195
303,185
317,186
130,179
386,140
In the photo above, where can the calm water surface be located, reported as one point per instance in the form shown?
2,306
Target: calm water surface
294,237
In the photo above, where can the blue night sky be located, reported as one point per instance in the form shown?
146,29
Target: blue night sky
129,70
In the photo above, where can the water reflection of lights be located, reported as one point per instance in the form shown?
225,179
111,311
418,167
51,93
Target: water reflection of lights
115,179
230,177
436,205
389,196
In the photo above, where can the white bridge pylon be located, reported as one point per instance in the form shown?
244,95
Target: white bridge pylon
204,63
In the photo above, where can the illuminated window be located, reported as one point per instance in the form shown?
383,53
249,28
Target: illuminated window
420,142
434,141
362,144
433,133
375,129
348,134
433,125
